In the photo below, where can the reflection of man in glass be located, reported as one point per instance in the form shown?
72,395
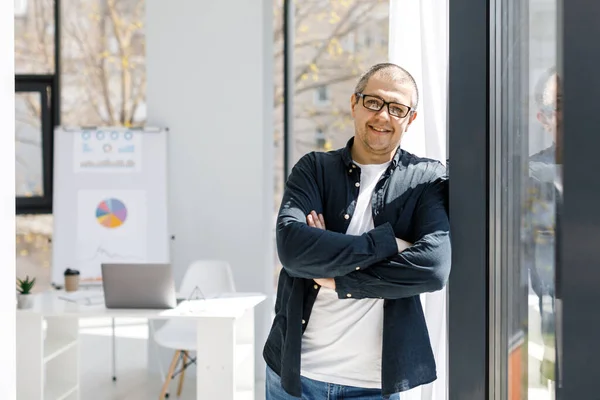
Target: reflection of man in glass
540,217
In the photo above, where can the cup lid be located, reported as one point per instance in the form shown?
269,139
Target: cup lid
70,271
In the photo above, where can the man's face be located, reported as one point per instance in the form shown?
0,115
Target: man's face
551,114
377,133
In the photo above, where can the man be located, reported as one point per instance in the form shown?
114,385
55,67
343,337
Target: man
543,197
361,232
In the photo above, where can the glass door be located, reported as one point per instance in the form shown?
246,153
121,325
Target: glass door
524,182
523,316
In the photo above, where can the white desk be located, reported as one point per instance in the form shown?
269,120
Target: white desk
48,367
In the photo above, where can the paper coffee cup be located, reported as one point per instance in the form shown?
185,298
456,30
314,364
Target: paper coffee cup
71,280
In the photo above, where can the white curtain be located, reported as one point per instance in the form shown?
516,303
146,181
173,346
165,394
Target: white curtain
419,43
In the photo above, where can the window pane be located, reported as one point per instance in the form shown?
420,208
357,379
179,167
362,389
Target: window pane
278,141
34,250
34,36
335,41
103,62
530,183
28,145
539,204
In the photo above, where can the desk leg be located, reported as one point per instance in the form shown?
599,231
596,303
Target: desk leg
114,352
215,358
225,358
244,356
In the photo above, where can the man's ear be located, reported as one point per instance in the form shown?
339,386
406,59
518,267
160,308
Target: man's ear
353,103
542,118
412,117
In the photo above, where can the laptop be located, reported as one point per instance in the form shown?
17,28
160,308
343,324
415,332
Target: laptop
142,286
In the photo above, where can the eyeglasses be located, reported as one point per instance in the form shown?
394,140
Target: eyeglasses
374,103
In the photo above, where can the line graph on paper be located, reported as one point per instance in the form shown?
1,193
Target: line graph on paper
112,228
91,264
101,254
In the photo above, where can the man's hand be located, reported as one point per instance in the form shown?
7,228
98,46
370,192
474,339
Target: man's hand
326,282
318,221
402,245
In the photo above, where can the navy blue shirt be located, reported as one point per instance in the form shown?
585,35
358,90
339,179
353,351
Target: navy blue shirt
409,202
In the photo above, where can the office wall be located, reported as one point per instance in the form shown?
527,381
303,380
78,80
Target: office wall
7,203
210,80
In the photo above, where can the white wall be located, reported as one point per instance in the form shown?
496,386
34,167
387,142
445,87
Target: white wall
7,203
210,80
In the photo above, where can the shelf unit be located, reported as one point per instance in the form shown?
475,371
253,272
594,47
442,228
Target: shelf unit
47,359
58,390
54,347
48,345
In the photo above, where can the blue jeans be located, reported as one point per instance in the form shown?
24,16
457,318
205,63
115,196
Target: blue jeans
315,390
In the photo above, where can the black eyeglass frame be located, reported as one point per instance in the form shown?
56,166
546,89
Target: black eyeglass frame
385,103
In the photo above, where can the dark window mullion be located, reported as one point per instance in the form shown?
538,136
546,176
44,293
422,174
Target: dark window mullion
42,84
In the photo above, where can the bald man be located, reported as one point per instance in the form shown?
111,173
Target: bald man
362,231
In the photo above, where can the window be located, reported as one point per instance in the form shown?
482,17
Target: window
526,118
103,65
349,43
327,62
321,140
321,95
368,39
36,103
34,248
33,145
278,119
35,40
102,81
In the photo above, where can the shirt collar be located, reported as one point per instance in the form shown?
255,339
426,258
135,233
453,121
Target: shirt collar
347,155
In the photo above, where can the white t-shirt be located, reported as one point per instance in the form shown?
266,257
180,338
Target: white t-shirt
342,343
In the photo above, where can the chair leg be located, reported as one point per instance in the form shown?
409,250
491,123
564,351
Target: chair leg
183,367
170,375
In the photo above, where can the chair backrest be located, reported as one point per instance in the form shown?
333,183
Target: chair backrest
211,277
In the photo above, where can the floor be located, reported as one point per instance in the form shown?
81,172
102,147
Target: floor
133,381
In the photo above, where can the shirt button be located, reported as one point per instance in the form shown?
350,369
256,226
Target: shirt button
353,166
349,171
348,295
303,322
357,268
316,286
346,216
357,184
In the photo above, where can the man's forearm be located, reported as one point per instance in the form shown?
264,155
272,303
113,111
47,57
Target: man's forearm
330,282
308,252
422,268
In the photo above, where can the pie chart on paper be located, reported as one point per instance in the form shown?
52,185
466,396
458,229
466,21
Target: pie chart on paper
111,213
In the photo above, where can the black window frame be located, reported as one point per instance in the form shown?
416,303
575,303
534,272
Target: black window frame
473,367
49,87
469,171
578,218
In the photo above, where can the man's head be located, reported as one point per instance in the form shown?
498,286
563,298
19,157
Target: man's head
548,101
383,105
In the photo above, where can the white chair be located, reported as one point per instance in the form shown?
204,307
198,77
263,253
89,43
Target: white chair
203,279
